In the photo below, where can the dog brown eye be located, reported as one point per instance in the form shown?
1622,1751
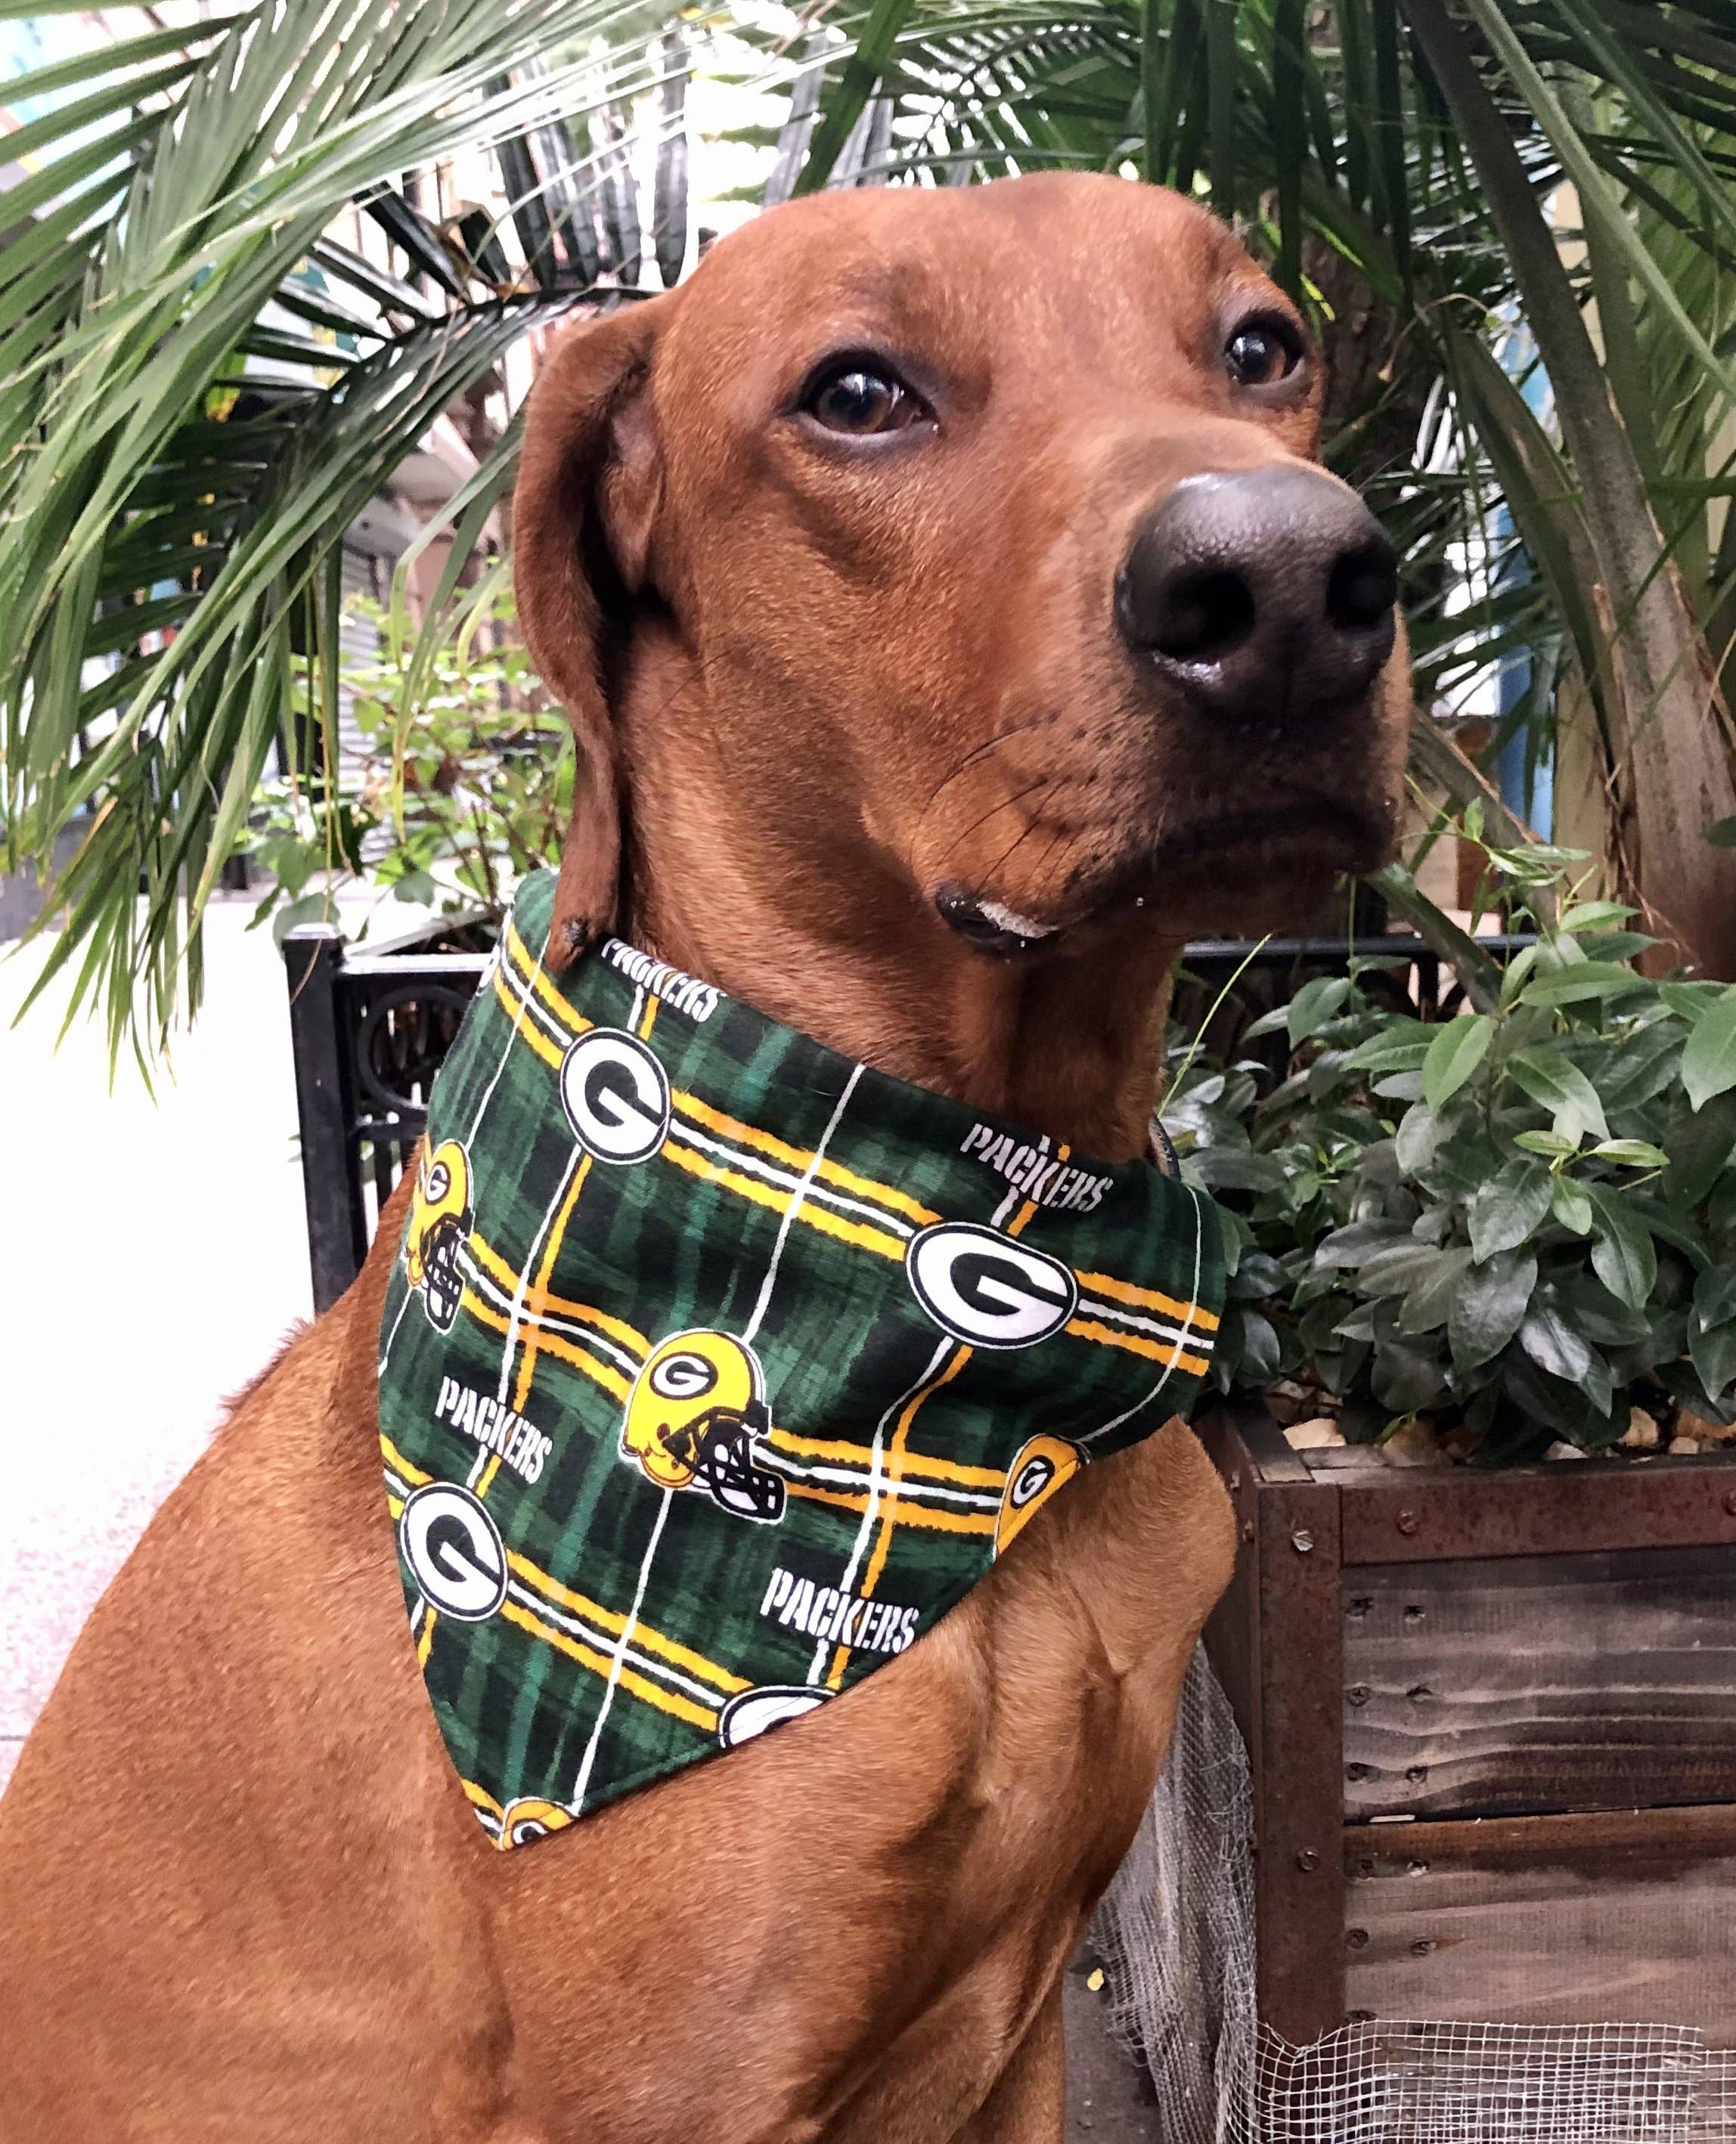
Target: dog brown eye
1262,352
861,403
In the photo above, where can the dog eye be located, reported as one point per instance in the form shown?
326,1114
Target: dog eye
855,400
1260,353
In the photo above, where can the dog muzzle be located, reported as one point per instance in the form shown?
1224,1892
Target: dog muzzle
715,1367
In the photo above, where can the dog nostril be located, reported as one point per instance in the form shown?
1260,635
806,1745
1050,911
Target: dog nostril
1362,588
1203,616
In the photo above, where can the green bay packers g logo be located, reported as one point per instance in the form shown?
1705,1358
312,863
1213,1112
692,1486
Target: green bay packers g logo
983,1286
454,1552
616,1095
1043,1465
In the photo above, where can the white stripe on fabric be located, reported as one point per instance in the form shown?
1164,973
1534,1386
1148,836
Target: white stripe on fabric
855,1478
1098,1308
785,1179
548,1321
646,1663
583,1782
803,1189
1140,1406
864,1532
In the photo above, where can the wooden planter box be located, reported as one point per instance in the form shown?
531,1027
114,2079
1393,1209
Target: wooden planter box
1491,1725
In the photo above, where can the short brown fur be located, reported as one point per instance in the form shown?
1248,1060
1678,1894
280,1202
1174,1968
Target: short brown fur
242,1895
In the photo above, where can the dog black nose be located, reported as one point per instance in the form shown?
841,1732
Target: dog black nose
1263,594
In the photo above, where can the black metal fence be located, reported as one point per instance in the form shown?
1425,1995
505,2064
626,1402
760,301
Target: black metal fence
371,1025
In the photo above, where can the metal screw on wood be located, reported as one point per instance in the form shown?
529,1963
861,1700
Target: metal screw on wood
1301,1540
1407,1522
1358,1938
1306,1860
1417,1773
1358,1694
1421,1947
1730,1501
1361,1605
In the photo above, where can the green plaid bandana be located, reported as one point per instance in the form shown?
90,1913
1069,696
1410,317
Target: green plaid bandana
715,1367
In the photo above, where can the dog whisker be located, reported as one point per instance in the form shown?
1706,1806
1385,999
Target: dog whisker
980,753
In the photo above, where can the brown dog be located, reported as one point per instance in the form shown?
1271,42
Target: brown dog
925,700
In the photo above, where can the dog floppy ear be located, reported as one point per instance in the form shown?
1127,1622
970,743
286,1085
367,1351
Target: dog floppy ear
590,481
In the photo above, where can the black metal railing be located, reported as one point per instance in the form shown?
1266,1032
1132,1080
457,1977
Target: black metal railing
371,1025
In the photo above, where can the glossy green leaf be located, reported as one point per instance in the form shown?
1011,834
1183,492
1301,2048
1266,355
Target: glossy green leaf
1708,1058
1560,1087
1623,1255
1454,1054
1491,1303
1504,1211
1314,1006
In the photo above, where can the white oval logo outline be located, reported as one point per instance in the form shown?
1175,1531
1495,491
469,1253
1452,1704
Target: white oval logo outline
1033,1478
750,1712
685,1376
467,1595
931,1261
641,1124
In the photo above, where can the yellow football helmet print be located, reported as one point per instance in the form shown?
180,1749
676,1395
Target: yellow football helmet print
440,1223
528,1818
693,1417
1043,1464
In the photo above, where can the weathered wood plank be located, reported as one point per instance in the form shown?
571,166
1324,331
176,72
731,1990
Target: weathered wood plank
1562,1920
1536,1683
1435,1514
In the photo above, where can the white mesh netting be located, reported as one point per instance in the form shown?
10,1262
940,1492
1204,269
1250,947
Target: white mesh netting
1176,1931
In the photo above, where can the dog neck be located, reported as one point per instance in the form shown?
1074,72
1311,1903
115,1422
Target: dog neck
767,888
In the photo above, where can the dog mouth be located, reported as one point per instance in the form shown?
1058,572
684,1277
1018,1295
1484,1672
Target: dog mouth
1326,830
991,927
1297,836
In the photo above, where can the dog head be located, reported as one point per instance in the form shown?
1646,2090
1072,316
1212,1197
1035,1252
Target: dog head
988,521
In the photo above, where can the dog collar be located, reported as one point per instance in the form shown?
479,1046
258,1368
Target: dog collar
715,1367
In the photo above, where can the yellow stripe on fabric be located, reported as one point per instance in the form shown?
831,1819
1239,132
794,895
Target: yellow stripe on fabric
535,1340
541,1304
1148,1298
892,1516
865,1238
529,1032
599,1664
916,1463
1157,1351
530,971
553,1343
551,1251
652,1641
910,1512
800,1159
481,1798
401,1464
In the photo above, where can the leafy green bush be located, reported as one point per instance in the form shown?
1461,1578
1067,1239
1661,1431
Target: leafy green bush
461,784
1515,1224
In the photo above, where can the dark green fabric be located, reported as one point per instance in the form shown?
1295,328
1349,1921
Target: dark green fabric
866,1399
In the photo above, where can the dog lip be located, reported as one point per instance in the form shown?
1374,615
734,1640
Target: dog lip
1314,817
1306,827
991,927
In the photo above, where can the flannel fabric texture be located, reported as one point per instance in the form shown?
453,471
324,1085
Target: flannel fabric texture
715,1368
